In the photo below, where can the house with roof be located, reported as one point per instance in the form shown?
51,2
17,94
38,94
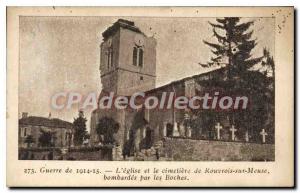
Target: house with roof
37,131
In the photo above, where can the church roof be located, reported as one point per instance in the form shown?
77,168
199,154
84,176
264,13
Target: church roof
215,71
117,25
47,122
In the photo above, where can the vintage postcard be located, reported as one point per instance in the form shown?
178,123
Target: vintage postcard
150,96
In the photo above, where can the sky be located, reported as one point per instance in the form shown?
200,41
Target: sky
63,54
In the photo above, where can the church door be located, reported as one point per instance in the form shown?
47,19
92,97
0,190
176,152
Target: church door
148,137
169,130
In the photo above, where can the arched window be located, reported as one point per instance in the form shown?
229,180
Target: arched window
135,53
141,57
110,58
138,56
107,59
25,132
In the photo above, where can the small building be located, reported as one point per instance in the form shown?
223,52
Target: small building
37,131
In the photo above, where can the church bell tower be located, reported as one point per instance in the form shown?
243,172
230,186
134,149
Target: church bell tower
128,59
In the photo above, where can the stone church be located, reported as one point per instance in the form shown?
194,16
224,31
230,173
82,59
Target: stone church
127,66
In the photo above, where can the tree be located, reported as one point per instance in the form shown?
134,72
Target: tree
107,127
87,136
233,52
29,140
80,131
268,63
234,46
46,138
268,69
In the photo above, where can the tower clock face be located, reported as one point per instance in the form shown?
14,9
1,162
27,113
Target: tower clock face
139,40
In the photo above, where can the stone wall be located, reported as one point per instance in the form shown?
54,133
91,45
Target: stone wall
180,149
172,149
80,153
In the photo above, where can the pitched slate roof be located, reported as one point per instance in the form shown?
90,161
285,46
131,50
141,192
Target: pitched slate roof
218,71
42,121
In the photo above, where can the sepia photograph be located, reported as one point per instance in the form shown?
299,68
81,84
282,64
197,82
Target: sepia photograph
204,88
163,98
